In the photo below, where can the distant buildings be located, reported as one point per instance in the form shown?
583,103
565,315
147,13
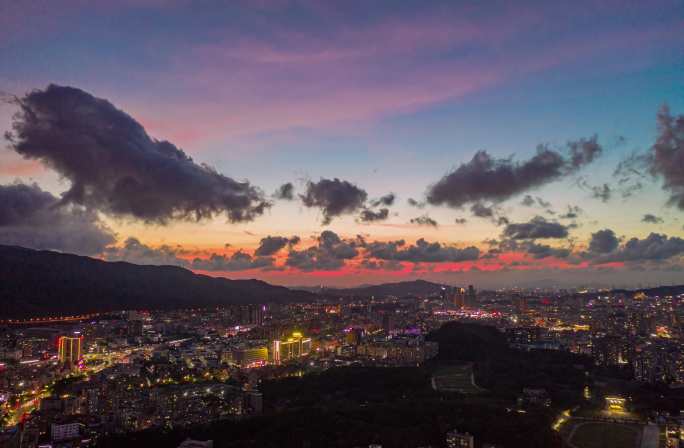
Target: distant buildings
455,439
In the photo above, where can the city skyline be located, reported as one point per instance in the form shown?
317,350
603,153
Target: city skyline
341,144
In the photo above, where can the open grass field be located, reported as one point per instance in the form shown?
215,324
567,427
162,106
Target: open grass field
455,379
606,435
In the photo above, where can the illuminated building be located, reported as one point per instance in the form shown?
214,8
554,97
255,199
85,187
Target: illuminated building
69,349
250,357
293,347
615,404
455,439
459,298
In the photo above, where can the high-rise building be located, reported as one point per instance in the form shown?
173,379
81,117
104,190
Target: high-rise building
251,314
455,439
69,350
296,346
471,297
459,297
388,323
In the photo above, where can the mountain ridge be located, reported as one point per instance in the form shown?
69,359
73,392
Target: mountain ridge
42,283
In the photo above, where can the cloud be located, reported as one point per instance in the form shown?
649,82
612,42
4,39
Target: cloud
537,227
31,217
422,251
460,220
655,247
386,200
328,254
238,261
529,201
285,192
603,242
424,220
334,197
133,251
114,166
482,211
534,249
602,192
272,244
572,213
488,179
368,215
414,203
666,158
652,219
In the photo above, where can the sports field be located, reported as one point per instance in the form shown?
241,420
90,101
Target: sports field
455,379
606,435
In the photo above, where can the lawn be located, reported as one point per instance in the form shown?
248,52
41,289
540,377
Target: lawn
606,435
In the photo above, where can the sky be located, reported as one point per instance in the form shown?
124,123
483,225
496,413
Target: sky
501,144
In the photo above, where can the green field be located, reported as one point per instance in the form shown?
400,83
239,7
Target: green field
455,379
606,435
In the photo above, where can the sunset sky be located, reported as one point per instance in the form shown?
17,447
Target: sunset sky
342,143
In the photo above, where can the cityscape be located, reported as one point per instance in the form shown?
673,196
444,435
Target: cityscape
345,224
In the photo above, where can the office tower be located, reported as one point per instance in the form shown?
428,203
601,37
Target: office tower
69,350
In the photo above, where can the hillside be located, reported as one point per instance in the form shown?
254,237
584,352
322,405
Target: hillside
42,283
400,289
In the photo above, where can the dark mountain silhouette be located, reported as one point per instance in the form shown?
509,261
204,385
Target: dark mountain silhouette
400,289
43,283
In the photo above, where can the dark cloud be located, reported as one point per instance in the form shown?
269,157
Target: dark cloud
413,203
488,179
239,261
481,211
285,192
666,158
537,227
655,247
328,254
386,200
116,167
31,217
368,215
573,212
529,201
422,251
424,220
602,192
334,197
460,220
133,251
652,219
272,244
534,249
603,242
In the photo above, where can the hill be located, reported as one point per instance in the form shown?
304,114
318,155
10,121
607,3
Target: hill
42,283
400,289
